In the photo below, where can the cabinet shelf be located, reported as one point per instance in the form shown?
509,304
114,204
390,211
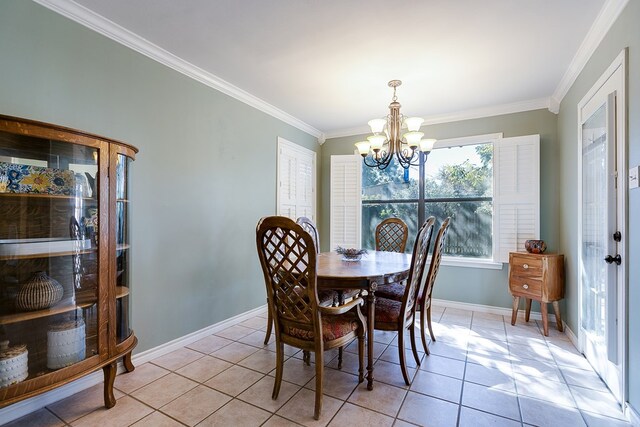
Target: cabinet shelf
121,292
121,247
45,196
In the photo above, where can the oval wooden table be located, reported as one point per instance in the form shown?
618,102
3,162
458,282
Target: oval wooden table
375,268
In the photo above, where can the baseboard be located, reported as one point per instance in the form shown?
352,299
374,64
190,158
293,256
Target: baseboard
572,337
488,309
27,406
632,415
170,346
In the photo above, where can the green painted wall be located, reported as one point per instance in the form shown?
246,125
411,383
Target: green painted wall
473,285
196,196
624,33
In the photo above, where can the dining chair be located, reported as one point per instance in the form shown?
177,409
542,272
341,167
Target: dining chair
326,297
392,315
396,290
424,297
391,235
288,258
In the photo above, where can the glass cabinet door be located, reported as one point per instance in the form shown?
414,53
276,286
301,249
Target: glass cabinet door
49,258
123,269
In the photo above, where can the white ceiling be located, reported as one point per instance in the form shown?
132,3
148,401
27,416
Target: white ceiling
327,62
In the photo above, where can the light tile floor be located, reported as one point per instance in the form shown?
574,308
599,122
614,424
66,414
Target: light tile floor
482,371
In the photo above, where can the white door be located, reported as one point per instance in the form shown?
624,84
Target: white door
296,181
602,229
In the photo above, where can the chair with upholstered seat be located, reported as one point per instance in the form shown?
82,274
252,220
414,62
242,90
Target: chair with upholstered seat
392,315
289,262
424,295
326,297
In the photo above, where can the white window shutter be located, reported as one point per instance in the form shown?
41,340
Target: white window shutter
296,176
516,194
346,201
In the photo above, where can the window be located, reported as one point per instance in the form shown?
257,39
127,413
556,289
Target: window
488,184
457,183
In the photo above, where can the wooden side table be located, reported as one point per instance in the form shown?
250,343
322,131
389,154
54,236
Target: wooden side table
537,277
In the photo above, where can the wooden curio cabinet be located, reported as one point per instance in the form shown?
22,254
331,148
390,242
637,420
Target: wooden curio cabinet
65,304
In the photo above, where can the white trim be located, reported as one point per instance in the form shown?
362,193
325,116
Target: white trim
480,308
572,337
605,19
119,34
632,415
25,407
477,113
451,261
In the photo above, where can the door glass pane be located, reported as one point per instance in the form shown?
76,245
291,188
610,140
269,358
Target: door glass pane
123,270
594,224
48,255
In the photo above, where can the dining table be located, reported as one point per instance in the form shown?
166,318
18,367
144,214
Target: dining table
373,269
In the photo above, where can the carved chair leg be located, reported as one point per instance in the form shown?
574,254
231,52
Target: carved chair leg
128,364
269,325
403,362
279,368
319,375
423,333
109,371
433,337
413,343
340,352
306,357
361,357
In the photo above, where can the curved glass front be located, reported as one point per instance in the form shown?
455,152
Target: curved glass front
49,263
123,268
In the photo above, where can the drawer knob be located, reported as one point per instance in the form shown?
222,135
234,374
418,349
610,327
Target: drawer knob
525,266
525,286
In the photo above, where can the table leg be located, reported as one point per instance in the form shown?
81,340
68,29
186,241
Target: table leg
371,315
528,311
545,318
514,312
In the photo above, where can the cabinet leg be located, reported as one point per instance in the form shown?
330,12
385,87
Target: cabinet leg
514,313
128,364
109,378
528,311
545,318
556,310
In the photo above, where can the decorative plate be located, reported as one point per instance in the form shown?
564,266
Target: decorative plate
36,179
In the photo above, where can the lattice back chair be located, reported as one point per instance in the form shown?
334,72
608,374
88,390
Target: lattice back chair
391,235
325,297
391,315
395,290
424,297
288,258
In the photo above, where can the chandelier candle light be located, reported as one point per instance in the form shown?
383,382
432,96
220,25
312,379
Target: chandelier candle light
387,141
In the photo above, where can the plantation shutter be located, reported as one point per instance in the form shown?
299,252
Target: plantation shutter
296,181
516,194
345,201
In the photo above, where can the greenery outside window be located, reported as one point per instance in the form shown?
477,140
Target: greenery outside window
455,181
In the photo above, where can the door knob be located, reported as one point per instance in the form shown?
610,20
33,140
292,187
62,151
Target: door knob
611,259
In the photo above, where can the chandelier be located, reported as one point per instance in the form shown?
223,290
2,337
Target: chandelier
387,141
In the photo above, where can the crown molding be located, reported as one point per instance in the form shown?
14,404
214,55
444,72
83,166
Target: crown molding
605,19
477,113
119,34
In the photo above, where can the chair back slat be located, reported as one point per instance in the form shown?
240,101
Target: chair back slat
288,258
391,235
436,257
416,270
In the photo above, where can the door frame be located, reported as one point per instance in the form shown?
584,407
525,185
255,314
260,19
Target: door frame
618,65
298,149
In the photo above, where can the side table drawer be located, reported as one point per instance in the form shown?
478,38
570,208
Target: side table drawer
526,286
526,266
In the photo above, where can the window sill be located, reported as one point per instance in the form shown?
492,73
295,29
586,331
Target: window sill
471,263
